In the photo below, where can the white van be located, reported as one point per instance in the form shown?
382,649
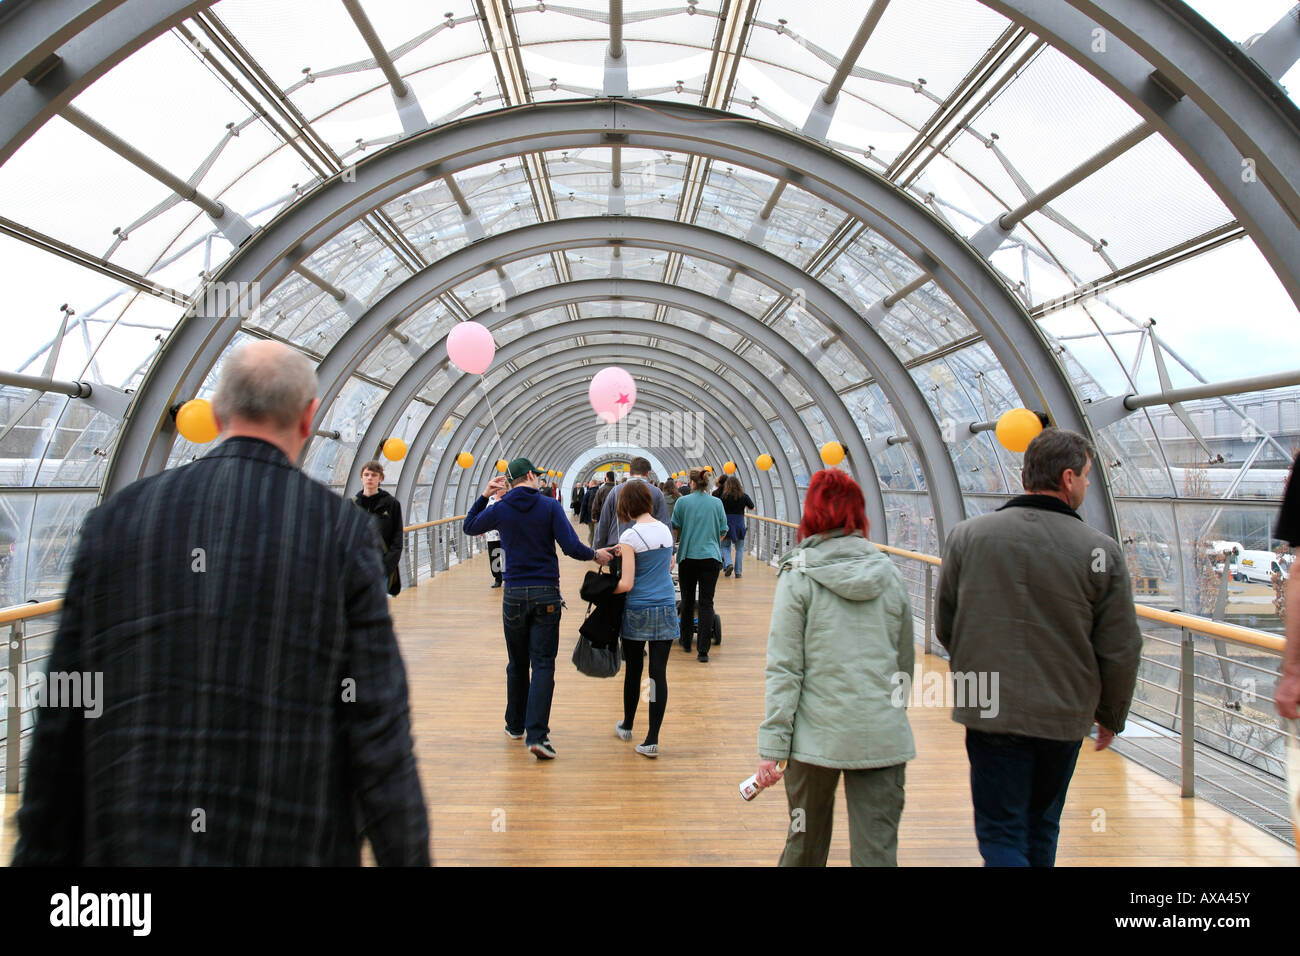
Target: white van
1258,567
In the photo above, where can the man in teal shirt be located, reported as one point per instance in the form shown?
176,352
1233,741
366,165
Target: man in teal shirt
701,523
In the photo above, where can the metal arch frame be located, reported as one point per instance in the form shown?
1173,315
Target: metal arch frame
468,485
969,280
683,364
864,342
1225,117
455,395
661,397
40,30
585,290
90,37
662,400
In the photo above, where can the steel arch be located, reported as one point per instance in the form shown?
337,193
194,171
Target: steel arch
969,280
803,370
665,398
681,363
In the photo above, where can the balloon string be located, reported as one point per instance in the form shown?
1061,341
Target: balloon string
495,427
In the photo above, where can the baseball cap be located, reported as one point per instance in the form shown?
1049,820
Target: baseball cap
520,467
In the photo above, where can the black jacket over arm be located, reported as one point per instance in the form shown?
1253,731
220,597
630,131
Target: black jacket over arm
254,703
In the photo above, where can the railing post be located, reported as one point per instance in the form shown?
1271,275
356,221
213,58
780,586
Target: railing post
1187,681
413,559
929,608
13,753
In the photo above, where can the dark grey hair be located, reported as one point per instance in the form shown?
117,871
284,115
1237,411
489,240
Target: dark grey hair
265,382
1050,454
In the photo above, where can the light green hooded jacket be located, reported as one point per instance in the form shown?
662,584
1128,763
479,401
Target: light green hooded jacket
841,633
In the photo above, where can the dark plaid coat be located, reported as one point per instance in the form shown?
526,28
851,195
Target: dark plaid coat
254,700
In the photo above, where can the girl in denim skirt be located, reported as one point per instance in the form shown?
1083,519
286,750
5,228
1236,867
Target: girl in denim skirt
650,615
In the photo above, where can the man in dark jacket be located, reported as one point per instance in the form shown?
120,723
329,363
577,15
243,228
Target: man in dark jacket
603,492
608,527
531,526
1036,609
388,514
255,704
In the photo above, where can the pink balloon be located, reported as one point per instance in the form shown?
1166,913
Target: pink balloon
470,347
612,393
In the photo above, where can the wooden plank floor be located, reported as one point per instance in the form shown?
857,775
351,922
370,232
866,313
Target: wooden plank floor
600,803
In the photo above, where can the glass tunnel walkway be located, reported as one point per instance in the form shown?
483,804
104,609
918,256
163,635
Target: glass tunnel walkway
881,225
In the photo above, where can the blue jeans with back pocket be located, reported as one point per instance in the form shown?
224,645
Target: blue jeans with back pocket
531,617
1018,787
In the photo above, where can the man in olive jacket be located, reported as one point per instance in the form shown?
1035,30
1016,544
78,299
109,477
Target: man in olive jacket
1038,605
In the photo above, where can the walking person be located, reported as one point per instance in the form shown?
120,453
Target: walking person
531,526
598,503
841,632
650,614
734,502
388,514
1032,596
700,523
610,527
229,604
496,554
584,508
671,493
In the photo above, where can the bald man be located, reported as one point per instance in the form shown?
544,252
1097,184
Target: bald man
254,704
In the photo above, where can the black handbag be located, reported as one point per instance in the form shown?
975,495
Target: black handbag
597,653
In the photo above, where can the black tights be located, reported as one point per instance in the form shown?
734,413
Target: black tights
632,658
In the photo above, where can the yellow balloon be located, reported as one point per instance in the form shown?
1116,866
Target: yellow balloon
764,462
502,465
195,421
729,467
832,453
394,449
465,460
550,472
709,469
1017,428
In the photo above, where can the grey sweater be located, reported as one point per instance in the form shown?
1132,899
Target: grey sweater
1032,594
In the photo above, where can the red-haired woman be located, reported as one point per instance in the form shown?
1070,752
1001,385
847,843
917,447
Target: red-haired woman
839,668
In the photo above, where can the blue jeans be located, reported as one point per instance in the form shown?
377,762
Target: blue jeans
1018,786
532,623
727,544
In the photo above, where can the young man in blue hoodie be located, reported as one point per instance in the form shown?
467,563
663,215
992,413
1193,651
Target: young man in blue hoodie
531,526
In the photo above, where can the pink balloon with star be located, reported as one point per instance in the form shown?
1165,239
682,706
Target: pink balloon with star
612,393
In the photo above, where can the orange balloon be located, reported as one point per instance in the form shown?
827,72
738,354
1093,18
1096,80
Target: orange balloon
1017,428
394,449
196,422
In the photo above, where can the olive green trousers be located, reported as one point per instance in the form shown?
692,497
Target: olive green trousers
875,799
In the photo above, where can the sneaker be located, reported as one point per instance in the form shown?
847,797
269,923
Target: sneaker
739,575
727,571
622,734
702,658
497,585
543,750
648,750
514,736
